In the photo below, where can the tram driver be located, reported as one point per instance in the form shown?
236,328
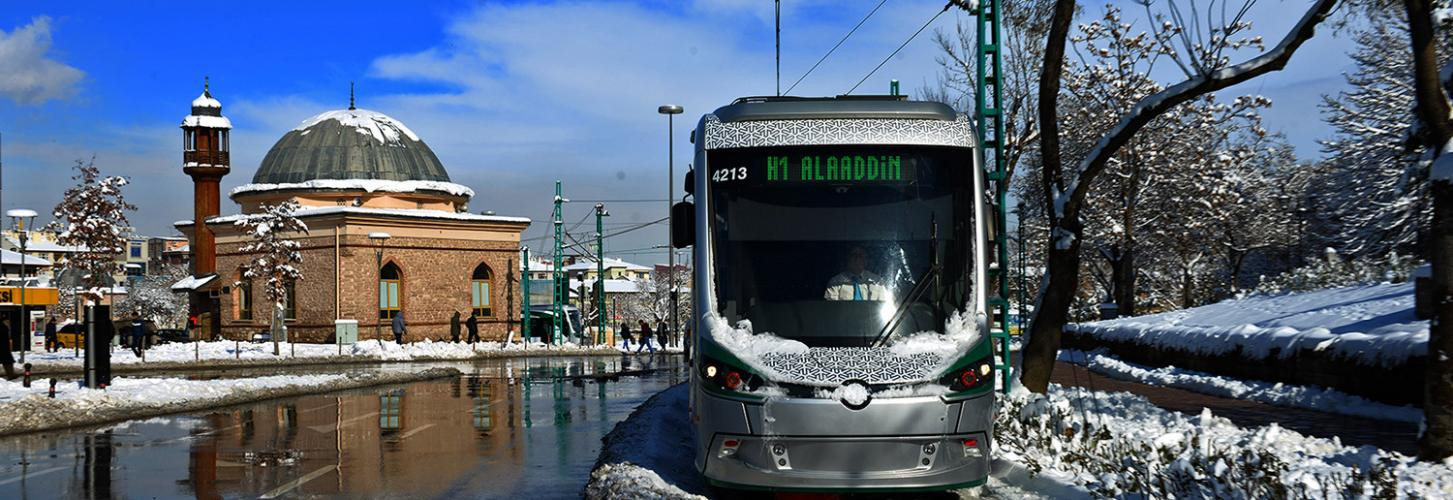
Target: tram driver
856,282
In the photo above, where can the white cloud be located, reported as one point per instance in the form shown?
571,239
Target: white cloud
27,75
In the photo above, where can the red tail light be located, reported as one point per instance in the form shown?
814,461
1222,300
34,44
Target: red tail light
733,380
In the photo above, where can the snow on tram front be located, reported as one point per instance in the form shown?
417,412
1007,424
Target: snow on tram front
839,296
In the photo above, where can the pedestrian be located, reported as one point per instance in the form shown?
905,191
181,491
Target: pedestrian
398,328
472,325
454,327
645,341
6,358
138,334
50,335
663,332
625,336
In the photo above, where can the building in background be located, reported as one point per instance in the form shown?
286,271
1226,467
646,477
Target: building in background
357,172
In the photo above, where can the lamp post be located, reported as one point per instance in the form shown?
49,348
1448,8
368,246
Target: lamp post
379,238
23,219
671,110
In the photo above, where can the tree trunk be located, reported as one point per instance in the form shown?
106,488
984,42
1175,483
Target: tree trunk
1433,108
1051,314
276,332
1062,266
1436,442
1123,275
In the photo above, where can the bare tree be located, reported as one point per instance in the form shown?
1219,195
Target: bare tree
274,256
1204,58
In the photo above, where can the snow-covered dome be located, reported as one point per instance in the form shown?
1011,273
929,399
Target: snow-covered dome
351,144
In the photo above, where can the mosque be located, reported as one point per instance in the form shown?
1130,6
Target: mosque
388,233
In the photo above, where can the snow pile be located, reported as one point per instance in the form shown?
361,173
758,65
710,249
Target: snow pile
908,359
1294,396
649,454
750,347
1372,324
367,185
28,409
227,352
627,480
1118,444
852,394
379,126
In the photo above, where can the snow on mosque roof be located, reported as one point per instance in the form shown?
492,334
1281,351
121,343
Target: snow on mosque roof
350,144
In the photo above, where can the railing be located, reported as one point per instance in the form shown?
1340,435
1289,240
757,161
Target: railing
206,157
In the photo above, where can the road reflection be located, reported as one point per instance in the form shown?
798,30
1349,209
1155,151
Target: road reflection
507,428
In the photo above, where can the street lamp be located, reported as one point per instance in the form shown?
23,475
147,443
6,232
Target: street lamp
23,219
379,238
671,110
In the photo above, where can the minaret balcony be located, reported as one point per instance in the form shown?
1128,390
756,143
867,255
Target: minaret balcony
201,157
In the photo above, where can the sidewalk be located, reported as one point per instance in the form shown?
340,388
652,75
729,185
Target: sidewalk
215,354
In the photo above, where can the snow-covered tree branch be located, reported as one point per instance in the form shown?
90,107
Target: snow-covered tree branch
275,255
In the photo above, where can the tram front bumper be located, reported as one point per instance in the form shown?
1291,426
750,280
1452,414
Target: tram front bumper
849,463
919,443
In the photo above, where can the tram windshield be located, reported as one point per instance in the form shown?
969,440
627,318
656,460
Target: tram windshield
841,246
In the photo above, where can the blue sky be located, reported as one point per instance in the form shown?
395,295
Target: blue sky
511,95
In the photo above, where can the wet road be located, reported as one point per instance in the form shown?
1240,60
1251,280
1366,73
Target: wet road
507,428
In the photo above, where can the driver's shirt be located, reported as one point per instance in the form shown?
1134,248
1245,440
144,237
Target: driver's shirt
863,286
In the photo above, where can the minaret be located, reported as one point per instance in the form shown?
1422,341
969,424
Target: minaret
205,159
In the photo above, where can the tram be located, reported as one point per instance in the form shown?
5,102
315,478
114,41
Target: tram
841,337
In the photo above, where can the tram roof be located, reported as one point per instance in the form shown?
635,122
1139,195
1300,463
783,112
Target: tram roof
802,121
800,108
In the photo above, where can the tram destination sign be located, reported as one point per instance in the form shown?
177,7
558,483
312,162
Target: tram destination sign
817,168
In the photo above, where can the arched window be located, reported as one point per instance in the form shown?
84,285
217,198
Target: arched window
244,297
388,291
479,289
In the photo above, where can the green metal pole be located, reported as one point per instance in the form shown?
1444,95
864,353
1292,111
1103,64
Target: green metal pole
600,273
989,114
558,306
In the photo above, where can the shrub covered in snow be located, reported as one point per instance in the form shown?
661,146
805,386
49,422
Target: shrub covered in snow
1118,444
1335,272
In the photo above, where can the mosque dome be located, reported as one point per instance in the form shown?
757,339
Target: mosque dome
350,144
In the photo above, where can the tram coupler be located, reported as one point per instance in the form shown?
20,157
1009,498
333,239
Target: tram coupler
26,381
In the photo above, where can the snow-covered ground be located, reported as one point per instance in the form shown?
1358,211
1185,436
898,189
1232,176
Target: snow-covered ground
1371,324
28,409
1074,443
1293,396
1115,444
222,353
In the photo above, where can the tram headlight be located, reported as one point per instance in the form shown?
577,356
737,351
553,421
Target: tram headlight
725,376
971,376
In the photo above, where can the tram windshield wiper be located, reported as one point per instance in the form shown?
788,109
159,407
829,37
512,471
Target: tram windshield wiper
929,276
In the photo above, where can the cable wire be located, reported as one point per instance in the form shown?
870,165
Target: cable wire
834,47
900,47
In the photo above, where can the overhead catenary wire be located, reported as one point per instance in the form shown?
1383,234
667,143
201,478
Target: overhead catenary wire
900,47
835,47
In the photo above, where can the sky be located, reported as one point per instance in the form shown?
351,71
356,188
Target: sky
511,95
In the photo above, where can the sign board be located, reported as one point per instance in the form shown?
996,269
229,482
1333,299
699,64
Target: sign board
346,331
34,296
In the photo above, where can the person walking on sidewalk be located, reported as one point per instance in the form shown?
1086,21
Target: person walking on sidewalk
454,327
645,337
625,336
138,334
472,324
398,328
663,333
50,335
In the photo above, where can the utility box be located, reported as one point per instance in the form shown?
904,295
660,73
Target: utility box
1423,298
345,331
